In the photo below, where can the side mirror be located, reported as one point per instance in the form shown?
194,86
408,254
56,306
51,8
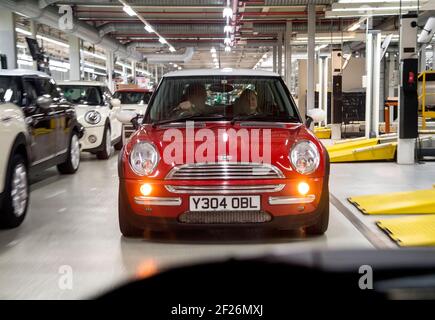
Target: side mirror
126,117
44,102
308,121
115,103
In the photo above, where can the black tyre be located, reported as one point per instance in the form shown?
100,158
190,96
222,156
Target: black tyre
126,228
16,199
72,163
322,224
107,145
120,144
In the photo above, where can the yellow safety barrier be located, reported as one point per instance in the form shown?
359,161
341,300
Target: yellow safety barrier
322,132
410,231
408,202
352,144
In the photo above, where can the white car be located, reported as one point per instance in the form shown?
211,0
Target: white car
134,100
96,111
14,187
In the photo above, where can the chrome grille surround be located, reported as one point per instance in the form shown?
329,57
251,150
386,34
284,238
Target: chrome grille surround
225,189
225,171
224,217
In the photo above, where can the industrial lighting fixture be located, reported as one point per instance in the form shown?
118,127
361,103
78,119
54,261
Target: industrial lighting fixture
374,1
129,10
227,41
367,9
321,47
162,40
355,26
228,12
175,65
25,32
171,48
149,28
179,68
227,49
214,55
213,50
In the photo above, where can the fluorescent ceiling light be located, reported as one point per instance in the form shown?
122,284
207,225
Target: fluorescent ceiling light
162,40
227,41
375,1
228,29
374,8
214,55
354,27
321,47
19,30
228,12
59,43
149,28
129,10
179,68
227,49
213,50
171,48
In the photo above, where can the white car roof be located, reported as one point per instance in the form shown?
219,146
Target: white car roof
81,83
221,72
22,72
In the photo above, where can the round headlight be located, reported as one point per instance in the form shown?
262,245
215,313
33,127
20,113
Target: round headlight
144,158
305,157
93,117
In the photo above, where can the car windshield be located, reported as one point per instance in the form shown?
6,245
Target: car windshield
8,90
221,97
131,97
82,94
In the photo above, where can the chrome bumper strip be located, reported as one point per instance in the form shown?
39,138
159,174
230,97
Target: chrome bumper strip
292,200
157,201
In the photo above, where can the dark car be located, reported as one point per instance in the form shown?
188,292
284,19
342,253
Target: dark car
54,131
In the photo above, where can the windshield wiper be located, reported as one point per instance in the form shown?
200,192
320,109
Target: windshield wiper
189,117
259,116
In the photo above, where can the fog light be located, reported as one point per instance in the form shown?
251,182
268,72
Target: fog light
146,189
92,139
303,188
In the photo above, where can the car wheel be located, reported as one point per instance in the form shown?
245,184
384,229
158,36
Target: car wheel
126,228
72,162
321,225
120,144
16,198
107,143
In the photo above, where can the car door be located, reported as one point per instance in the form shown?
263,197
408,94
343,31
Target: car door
42,128
58,114
115,124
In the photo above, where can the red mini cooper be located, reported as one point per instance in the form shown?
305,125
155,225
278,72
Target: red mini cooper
222,149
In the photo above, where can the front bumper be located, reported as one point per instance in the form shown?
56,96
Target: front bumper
162,209
93,131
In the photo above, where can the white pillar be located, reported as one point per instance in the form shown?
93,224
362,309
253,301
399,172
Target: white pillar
156,74
279,54
373,76
325,88
422,64
74,57
133,71
311,55
8,39
109,70
274,56
288,53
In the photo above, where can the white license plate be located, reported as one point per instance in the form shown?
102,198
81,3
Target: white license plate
224,203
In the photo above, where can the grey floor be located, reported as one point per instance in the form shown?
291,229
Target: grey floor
72,223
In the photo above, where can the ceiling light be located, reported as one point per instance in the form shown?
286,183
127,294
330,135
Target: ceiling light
171,48
149,28
228,12
129,10
227,41
162,40
175,65
227,49
214,55
19,30
179,68
321,47
354,27
213,50
368,9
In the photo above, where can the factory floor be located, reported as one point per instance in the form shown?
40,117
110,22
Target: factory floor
72,228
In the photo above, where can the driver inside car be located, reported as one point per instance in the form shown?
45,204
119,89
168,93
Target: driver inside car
247,103
195,97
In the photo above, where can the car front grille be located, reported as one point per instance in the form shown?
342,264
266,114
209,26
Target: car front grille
224,217
225,189
224,171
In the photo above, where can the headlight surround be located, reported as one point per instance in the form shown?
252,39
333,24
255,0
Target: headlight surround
144,158
93,117
305,157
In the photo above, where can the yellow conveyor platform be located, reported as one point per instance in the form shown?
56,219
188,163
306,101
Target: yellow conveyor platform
408,202
322,132
410,231
373,151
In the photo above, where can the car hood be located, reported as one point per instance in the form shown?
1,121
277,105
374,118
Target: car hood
252,146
